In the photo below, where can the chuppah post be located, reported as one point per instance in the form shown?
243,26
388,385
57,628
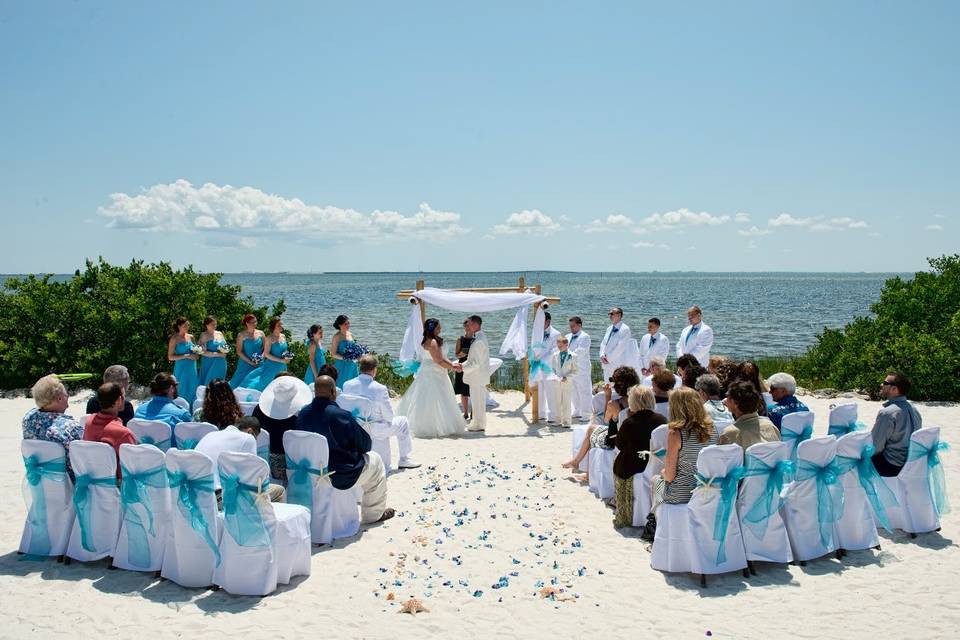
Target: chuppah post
423,305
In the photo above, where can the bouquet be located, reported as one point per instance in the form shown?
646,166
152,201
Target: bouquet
196,349
223,348
287,355
353,351
257,358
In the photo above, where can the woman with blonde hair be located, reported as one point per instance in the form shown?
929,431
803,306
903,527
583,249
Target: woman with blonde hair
633,436
49,420
691,429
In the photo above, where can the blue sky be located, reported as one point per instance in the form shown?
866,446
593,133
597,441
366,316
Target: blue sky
375,136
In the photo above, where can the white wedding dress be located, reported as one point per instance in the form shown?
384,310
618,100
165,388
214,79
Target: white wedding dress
430,404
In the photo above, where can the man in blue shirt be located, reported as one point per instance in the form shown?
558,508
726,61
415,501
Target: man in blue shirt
783,386
351,460
161,406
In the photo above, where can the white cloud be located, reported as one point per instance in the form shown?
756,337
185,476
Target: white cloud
613,222
939,216
181,206
754,232
683,217
752,244
818,223
934,227
741,218
650,245
787,220
527,222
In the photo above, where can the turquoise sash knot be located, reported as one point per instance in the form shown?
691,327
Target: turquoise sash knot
133,490
163,445
843,429
188,490
81,502
264,453
54,469
537,365
797,438
661,453
870,480
935,477
300,488
829,495
241,513
728,495
188,445
758,516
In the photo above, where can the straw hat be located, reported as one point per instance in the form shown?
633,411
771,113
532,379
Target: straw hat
284,397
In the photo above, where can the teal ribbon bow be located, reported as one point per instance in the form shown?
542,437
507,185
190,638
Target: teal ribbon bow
797,438
81,502
843,429
728,495
188,490
536,364
241,513
758,516
54,469
163,445
405,368
829,495
264,453
935,477
133,491
300,488
188,445
870,480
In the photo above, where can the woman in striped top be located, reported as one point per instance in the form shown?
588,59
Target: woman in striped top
691,429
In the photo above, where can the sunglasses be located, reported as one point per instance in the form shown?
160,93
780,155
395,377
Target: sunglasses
887,383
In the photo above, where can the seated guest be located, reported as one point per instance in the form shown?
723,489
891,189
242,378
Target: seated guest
277,412
220,406
684,362
691,429
716,362
708,386
119,374
351,460
48,421
691,374
330,371
161,406
750,372
895,423
239,438
633,436
384,424
659,364
748,427
105,425
663,383
783,386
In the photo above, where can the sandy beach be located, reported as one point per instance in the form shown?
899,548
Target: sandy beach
485,524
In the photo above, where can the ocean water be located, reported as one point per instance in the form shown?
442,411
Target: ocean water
753,314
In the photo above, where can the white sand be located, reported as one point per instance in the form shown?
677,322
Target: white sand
910,588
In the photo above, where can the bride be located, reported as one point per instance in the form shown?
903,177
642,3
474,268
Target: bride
429,403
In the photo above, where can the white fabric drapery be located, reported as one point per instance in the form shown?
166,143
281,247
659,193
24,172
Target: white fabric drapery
412,337
516,340
476,302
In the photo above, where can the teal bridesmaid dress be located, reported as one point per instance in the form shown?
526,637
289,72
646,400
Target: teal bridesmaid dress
251,347
346,369
263,375
213,368
186,373
320,358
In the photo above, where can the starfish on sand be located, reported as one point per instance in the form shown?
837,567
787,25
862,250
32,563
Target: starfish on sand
413,607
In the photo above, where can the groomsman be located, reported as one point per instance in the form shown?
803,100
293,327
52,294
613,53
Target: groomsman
653,345
696,338
615,344
546,388
565,366
579,341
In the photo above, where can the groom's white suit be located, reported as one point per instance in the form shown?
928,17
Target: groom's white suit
476,373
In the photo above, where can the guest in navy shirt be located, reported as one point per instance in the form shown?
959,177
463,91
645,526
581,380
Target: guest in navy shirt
782,387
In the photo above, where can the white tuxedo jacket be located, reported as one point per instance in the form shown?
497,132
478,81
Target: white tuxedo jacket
699,345
568,369
615,346
581,348
476,369
660,349
366,387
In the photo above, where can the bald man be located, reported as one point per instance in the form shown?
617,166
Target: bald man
351,460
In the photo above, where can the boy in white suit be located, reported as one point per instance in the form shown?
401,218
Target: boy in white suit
652,345
564,365
696,338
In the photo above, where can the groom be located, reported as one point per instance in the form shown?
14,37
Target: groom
476,373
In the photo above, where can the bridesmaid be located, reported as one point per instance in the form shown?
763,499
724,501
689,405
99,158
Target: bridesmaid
213,361
318,355
180,352
347,369
274,348
249,344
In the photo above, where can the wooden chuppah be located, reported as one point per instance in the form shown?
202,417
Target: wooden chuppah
530,393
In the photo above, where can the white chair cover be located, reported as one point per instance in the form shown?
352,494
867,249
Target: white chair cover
579,433
260,545
182,403
856,529
193,544
809,537
201,394
767,398
715,549
795,428
916,513
144,509
263,445
842,419
362,410
243,394
48,492
247,408
663,408
600,466
188,434
155,432
643,482
97,520
764,539
334,513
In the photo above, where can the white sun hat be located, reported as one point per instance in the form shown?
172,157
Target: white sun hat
284,397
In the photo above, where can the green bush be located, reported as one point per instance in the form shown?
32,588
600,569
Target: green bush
915,329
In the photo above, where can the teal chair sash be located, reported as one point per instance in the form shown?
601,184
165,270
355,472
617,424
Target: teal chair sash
133,491
81,502
54,469
728,495
188,490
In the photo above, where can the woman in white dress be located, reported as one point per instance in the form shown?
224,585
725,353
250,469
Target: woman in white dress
430,403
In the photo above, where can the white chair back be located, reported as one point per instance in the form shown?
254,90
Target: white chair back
856,529
658,442
144,508
247,407
155,432
182,403
189,434
842,419
334,513
764,534
192,553
809,537
360,407
201,392
795,428
916,483
263,445
97,521
767,398
49,498
716,464
663,408
243,394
